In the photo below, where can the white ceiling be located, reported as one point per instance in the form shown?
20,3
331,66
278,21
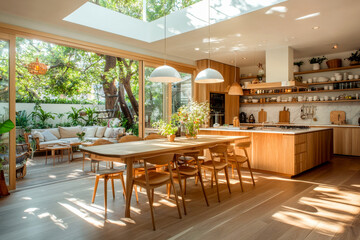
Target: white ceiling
250,34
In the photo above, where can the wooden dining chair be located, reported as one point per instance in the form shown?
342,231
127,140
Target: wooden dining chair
187,166
218,162
129,138
153,136
237,160
95,163
151,180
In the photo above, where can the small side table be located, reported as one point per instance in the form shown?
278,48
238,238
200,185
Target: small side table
60,148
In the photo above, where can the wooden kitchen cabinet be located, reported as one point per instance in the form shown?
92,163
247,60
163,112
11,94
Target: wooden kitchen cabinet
347,141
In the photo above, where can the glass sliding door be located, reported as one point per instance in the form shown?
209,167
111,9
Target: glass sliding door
4,105
181,92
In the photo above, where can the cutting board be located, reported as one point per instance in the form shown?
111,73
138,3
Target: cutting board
337,117
262,115
284,116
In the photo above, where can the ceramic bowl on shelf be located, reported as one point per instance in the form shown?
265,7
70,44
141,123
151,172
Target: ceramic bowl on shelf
333,78
322,79
338,78
255,100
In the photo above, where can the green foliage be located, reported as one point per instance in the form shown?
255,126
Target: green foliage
5,127
57,101
40,117
74,116
20,139
91,116
81,136
164,128
23,119
317,60
299,63
193,116
355,56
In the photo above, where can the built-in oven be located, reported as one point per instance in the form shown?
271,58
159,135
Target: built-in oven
217,109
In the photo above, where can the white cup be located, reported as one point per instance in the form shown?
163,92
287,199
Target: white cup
338,77
331,87
310,99
350,77
246,84
332,78
333,98
326,87
356,76
315,98
310,80
326,98
300,99
290,99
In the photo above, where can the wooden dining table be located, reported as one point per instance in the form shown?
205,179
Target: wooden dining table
130,152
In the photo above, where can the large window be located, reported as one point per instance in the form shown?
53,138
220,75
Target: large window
181,92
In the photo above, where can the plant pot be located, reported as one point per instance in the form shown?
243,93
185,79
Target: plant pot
171,138
352,63
315,66
191,136
3,188
296,68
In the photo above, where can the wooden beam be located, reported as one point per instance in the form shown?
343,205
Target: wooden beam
141,99
12,113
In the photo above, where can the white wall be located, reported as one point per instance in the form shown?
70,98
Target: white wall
352,110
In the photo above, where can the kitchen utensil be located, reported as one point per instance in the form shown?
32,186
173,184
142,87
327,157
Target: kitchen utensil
333,98
310,99
284,116
338,78
315,98
332,78
326,98
326,87
251,118
356,76
322,99
310,80
331,87
262,115
236,122
243,117
350,77
337,117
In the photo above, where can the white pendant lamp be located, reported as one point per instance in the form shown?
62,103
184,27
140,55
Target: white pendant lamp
235,88
209,75
165,73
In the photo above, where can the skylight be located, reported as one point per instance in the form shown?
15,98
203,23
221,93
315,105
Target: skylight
181,19
146,10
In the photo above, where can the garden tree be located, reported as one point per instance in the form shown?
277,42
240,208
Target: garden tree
4,71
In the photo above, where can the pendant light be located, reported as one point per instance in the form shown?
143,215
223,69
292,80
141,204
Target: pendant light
37,68
235,88
209,75
165,73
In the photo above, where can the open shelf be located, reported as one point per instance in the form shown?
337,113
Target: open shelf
332,82
304,92
338,101
327,70
252,77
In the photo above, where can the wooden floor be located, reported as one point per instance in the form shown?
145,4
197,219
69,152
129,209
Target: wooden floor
321,204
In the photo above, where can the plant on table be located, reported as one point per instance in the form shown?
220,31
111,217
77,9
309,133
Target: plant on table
166,129
81,136
193,115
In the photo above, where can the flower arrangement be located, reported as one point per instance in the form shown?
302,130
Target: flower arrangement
81,135
166,129
193,115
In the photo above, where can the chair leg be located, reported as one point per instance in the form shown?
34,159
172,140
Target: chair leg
113,188
182,192
203,188
95,188
227,178
105,194
176,197
168,190
232,171
123,184
152,194
212,179
136,194
151,208
252,177
217,184
239,174
184,186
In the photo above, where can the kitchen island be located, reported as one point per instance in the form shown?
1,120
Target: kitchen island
284,151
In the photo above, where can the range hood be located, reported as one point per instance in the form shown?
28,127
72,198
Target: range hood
279,70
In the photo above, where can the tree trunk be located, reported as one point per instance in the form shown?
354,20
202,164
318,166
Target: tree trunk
109,86
3,188
124,108
133,101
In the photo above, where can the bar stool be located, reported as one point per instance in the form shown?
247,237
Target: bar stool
238,160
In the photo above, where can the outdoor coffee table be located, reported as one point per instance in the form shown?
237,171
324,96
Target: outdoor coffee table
60,148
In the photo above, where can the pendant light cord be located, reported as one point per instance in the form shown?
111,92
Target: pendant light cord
209,45
165,33
235,68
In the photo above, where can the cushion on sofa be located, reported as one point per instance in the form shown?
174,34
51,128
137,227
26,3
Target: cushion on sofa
100,132
118,131
55,132
69,132
90,131
37,134
108,132
48,136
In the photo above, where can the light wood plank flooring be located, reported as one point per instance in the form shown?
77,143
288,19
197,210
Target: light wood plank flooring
323,203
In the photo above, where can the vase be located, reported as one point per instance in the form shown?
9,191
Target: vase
315,66
191,131
171,138
353,63
296,68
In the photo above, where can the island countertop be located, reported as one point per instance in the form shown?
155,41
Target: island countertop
276,130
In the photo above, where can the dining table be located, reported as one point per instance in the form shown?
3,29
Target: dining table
130,152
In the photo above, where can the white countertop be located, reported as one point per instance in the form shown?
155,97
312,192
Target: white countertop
298,124
267,130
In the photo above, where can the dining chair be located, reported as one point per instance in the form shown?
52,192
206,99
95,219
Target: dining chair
187,166
237,160
129,138
151,180
95,163
153,136
217,163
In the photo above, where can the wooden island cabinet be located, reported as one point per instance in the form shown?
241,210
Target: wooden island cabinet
288,152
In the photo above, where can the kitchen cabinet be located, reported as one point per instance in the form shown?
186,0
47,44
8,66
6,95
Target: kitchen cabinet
347,141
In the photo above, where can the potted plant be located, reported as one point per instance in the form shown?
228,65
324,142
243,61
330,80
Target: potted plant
81,136
166,129
5,127
192,116
316,62
354,58
297,66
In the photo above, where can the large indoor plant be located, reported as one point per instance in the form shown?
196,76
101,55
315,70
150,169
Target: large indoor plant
316,62
192,116
5,127
166,129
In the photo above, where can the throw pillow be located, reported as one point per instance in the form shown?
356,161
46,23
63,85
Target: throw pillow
108,133
90,131
48,136
69,132
55,132
118,131
37,134
100,132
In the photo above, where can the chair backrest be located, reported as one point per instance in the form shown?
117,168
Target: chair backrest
129,138
160,159
101,142
153,136
219,151
242,144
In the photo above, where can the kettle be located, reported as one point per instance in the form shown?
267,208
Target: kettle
251,118
243,117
